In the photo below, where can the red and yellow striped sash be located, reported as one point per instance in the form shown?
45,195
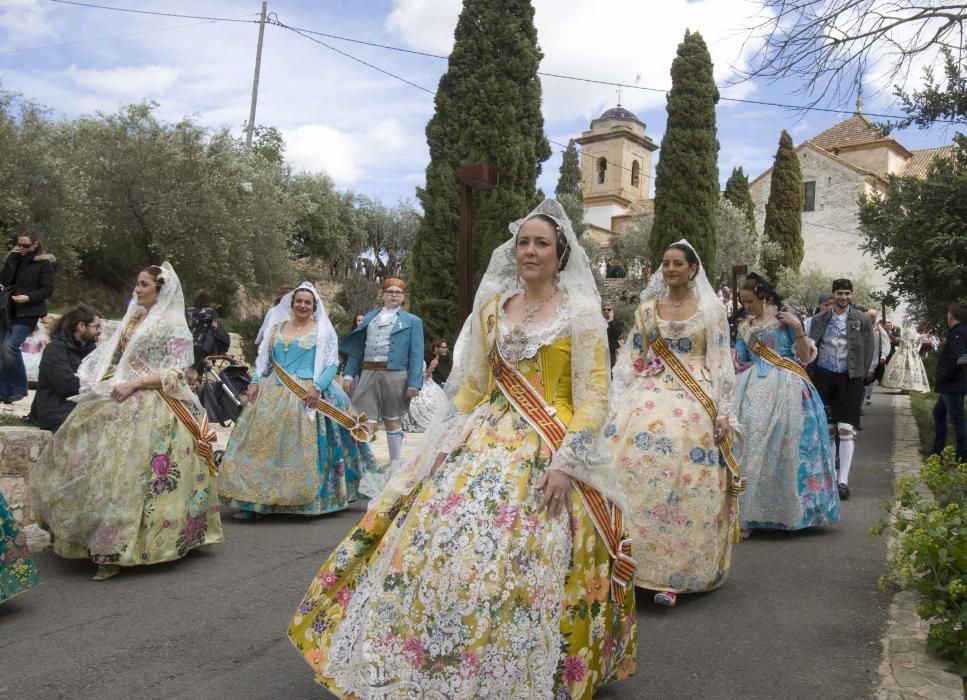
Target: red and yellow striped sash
204,436
607,517
356,425
777,360
678,368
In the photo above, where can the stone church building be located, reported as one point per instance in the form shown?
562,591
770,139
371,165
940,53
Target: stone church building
847,159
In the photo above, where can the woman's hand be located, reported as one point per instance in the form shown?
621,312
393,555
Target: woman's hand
722,429
440,459
312,398
347,385
20,298
556,486
252,392
790,320
124,390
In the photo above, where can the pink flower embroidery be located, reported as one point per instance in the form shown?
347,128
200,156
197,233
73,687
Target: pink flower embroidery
507,516
469,665
343,596
413,652
608,646
677,412
649,405
453,500
686,479
574,669
328,579
813,483
161,465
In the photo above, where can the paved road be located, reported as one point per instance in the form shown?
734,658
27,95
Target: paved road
801,616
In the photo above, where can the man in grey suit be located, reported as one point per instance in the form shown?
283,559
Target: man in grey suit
844,340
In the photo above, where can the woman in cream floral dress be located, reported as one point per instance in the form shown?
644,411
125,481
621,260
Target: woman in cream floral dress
479,572
128,479
664,441
905,369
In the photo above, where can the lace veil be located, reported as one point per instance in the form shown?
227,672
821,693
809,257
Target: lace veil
452,421
160,342
718,353
327,342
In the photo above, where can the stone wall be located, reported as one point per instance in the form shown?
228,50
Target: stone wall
831,232
20,447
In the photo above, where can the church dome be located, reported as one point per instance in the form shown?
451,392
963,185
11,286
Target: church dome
619,112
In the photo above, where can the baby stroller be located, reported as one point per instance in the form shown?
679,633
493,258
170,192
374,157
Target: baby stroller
223,384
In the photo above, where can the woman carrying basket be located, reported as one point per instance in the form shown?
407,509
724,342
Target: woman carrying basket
285,456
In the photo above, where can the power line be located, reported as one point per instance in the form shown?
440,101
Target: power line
303,31
150,12
105,38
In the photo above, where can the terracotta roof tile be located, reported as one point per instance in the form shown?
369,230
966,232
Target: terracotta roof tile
849,132
917,165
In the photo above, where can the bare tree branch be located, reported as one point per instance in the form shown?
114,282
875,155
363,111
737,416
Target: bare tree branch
830,44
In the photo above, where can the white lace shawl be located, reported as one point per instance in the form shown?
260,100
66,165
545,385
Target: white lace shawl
161,343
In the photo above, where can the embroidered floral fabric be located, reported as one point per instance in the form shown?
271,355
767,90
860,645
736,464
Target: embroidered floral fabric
786,456
18,573
661,439
461,589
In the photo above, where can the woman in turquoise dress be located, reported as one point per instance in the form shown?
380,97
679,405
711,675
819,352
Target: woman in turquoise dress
283,456
786,456
18,573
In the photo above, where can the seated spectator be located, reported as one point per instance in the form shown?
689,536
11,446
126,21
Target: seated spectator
73,337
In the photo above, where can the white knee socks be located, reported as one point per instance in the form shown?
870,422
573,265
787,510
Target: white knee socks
394,441
846,448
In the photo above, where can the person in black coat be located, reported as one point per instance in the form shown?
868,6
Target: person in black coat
73,338
28,278
950,381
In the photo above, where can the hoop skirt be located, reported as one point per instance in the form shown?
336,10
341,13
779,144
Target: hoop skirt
121,483
905,370
461,589
18,573
281,459
786,456
661,438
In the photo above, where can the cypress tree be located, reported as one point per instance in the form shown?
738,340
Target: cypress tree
783,223
487,110
738,194
687,181
568,190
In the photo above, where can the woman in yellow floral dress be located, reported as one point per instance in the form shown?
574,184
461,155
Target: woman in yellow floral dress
479,571
670,402
128,479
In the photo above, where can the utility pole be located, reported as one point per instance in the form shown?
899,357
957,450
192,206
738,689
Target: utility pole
255,82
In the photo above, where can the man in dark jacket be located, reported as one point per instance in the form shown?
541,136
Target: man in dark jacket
74,337
28,277
950,382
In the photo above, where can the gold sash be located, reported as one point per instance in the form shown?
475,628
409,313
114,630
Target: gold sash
775,359
356,425
676,367
606,516
203,434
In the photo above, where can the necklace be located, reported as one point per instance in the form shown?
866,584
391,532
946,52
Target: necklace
531,311
678,304
297,332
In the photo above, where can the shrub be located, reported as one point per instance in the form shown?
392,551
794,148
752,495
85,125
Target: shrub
930,556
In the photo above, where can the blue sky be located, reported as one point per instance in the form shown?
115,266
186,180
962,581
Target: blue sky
367,129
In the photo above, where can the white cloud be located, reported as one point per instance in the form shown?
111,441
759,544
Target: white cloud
126,81
316,147
612,40
26,20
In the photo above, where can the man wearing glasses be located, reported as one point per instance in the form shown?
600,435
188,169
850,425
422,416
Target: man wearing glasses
28,281
384,364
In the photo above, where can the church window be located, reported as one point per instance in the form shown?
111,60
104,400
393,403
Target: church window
602,170
809,195
635,174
